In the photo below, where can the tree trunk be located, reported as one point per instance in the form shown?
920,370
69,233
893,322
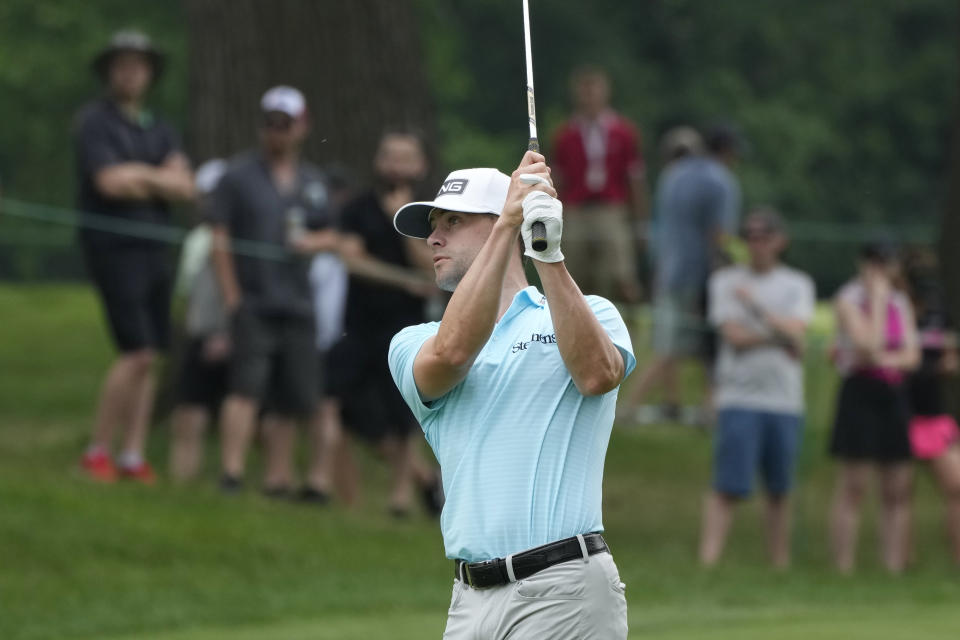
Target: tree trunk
950,242
358,62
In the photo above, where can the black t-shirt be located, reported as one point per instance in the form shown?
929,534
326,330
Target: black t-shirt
372,306
104,136
273,279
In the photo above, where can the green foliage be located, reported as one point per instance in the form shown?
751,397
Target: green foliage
846,105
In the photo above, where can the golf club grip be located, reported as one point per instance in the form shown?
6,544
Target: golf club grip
539,239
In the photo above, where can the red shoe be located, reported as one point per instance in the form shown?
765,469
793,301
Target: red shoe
142,473
99,467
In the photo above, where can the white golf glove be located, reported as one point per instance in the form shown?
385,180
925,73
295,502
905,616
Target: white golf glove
542,207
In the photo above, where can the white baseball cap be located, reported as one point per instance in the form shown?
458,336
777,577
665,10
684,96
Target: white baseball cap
285,100
466,190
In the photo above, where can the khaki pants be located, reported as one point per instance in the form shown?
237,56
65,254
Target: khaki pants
575,600
599,250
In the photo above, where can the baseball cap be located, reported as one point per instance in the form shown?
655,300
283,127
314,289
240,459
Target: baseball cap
466,191
285,100
680,141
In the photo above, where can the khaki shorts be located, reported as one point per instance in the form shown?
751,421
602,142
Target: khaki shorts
575,600
599,250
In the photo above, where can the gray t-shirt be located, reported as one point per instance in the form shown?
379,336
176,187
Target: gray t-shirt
765,378
273,279
696,198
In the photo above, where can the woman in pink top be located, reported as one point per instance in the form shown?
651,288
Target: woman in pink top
934,435
876,347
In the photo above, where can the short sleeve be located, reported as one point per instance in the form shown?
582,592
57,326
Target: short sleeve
805,300
220,206
721,305
95,148
612,322
403,351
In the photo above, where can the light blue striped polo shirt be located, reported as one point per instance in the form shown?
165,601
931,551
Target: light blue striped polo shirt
520,449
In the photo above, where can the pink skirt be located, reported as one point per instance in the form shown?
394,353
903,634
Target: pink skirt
931,436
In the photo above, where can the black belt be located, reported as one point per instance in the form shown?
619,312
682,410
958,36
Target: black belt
496,572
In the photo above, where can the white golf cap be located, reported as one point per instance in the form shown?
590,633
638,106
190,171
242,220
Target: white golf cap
285,100
466,190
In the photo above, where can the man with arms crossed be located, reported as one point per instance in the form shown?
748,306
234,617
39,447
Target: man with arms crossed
761,311
516,392
130,169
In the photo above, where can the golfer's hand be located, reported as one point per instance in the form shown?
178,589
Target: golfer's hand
532,164
542,207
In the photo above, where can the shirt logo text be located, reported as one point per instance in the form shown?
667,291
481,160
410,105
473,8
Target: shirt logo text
542,338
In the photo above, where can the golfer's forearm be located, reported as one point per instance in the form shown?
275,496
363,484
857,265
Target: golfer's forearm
594,362
472,311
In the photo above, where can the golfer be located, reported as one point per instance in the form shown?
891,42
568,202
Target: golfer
516,392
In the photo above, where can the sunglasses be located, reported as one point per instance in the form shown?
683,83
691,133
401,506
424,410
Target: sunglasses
277,121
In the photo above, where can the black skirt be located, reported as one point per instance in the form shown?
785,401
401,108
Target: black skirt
872,421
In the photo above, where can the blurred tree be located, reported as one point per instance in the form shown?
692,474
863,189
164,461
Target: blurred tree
949,238
358,63
847,105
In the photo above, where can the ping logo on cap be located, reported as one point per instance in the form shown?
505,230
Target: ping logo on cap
457,185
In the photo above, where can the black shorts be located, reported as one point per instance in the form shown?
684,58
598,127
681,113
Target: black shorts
872,421
135,285
274,357
202,382
360,378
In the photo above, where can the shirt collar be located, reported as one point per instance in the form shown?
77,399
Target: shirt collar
528,297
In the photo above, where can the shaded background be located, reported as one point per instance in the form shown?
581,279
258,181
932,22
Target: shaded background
847,107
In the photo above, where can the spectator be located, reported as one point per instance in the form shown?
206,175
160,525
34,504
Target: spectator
876,346
599,173
933,431
698,203
130,168
329,281
387,291
203,374
273,198
761,312
679,142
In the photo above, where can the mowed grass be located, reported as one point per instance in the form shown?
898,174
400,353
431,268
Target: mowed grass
185,563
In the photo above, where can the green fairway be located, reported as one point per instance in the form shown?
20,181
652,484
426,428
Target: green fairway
79,560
